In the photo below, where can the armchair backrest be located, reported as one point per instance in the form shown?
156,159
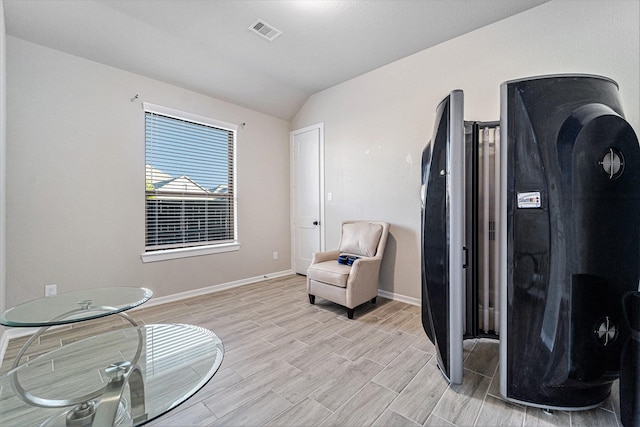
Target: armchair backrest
363,238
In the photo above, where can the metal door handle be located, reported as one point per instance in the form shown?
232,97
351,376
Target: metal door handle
316,222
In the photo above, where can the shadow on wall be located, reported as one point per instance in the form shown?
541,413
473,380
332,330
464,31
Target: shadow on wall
388,265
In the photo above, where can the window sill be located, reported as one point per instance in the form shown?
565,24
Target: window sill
188,252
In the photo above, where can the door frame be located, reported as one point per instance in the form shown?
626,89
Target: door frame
293,213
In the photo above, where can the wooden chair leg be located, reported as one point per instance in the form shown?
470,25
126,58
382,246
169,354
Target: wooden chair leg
312,299
350,313
373,300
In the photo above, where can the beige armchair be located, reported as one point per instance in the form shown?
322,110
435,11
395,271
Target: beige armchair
355,284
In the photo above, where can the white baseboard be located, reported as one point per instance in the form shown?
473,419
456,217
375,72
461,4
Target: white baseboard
215,288
12,333
398,297
4,341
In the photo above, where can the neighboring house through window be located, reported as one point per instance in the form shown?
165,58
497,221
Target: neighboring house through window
190,196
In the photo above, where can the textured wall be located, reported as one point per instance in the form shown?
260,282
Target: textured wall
75,180
377,125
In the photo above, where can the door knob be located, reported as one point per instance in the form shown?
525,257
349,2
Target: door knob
316,222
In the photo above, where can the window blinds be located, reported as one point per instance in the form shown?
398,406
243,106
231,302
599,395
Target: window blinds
189,194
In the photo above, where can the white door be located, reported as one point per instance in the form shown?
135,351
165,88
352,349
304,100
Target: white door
307,200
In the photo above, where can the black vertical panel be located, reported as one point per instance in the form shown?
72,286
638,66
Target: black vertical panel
435,248
570,261
443,236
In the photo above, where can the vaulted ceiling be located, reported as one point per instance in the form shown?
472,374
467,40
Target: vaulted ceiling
207,46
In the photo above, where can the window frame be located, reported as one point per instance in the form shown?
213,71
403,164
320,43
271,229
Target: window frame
197,250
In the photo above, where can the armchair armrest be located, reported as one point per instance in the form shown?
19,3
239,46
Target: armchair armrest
365,270
325,256
362,284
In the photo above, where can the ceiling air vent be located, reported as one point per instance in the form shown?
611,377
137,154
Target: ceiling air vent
265,30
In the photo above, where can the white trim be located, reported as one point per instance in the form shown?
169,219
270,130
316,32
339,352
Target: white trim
13,333
4,341
401,298
323,196
292,134
211,289
182,115
235,188
168,254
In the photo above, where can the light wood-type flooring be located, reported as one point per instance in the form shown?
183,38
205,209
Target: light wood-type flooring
290,363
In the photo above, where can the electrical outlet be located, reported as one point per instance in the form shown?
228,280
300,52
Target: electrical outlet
275,255
50,290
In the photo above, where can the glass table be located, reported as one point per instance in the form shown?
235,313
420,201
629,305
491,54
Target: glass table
71,307
124,377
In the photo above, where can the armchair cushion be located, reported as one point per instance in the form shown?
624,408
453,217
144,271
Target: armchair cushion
360,238
330,272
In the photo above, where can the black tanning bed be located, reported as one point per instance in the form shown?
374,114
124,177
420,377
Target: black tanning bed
531,234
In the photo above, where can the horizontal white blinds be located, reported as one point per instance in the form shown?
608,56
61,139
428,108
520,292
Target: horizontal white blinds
189,183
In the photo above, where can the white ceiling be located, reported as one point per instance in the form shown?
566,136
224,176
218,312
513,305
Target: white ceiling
206,46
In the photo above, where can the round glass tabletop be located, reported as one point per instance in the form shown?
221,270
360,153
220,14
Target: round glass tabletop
77,306
162,366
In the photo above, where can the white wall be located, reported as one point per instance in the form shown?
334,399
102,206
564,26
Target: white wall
75,180
75,150
377,125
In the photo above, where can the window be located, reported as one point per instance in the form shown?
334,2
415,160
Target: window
189,189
